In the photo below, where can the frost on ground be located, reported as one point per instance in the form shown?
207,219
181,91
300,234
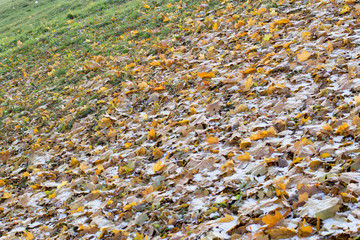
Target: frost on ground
243,125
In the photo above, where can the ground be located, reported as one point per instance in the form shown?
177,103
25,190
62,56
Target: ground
179,119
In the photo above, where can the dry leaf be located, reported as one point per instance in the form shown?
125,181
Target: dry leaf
158,166
104,122
342,128
303,56
29,236
282,233
152,134
215,106
227,218
272,220
213,140
245,157
248,83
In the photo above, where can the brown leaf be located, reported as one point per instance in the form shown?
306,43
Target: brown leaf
215,106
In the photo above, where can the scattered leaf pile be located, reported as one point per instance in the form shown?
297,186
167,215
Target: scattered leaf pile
243,123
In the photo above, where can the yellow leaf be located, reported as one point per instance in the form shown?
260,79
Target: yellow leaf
228,164
227,218
29,236
248,83
142,85
344,9
267,37
63,183
145,117
52,195
140,152
305,231
83,167
357,100
213,140
329,47
157,153
215,26
99,169
303,197
250,70
74,162
325,155
7,195
263,134
128,207
155,63
158,166
244,157
104,122
152,134
127,145
327,127
148,190
244,144
342,128
272,220
303,56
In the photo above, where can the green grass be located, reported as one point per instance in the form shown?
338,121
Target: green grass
44,47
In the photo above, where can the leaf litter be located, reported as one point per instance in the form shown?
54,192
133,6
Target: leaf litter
244,124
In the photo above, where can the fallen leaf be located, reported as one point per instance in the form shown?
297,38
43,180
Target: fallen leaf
272,220
213,140
227,218
152,134
342,128
29,236
245,157
303,56
213,106
282,233
158,166
104,122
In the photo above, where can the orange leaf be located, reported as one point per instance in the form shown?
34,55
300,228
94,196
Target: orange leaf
282,21
272,220
148,190
152,134
227,218
303,56
205,74
213,140
160,88
244,157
